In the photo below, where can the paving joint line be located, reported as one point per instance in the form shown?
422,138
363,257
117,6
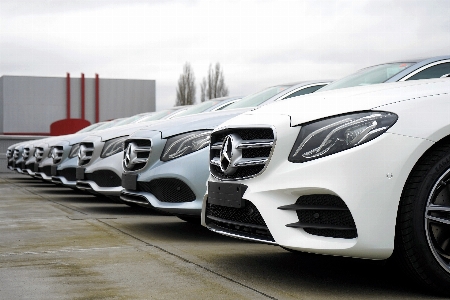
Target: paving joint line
74,209
191,262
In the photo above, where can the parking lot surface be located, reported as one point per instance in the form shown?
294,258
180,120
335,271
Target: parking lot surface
57,243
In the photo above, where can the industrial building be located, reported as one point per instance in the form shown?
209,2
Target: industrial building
30,105
35,107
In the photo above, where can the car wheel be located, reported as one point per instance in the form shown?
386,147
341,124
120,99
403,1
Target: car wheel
422,242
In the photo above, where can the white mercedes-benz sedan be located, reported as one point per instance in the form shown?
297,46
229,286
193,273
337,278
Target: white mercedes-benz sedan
360,172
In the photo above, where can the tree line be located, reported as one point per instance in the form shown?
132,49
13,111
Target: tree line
213,86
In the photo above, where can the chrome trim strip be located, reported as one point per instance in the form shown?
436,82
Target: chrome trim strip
241,237
250,162
424,68
255,144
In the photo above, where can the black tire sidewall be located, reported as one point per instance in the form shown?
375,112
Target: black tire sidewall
433,271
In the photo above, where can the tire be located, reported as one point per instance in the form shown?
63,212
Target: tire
422,239
191,219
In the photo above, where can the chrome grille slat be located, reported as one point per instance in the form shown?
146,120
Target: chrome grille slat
251,162
255,144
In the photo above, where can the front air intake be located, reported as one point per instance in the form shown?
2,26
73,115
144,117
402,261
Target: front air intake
245,221
323,215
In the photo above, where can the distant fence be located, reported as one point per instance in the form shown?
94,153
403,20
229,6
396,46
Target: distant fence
8,140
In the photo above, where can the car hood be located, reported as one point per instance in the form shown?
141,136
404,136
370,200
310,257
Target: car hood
119,131
324,104
207,120
70,138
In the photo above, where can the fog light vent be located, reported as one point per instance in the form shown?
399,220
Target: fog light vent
323,215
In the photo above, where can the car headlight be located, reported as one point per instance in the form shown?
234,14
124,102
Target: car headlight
113,146
329,136
186,143
74,150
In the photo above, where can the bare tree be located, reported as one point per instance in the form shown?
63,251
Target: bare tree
186,86
203,88
214,85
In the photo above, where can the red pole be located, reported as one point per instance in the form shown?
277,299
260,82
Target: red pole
97,98
82,96
68,96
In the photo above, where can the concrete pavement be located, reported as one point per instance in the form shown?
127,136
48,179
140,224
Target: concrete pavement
56,243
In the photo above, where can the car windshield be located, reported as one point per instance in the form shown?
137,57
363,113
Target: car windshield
257,98
157,115
199,108
108,124
90,127
129,120
367,76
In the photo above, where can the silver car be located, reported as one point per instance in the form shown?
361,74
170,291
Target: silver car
166,165
100,155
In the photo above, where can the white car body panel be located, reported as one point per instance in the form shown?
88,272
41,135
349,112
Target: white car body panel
369,178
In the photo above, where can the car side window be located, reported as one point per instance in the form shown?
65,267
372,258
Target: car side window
432,72
308,90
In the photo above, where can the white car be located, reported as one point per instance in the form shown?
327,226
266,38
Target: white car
360,172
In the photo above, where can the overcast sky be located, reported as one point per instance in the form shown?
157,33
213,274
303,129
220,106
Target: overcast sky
258,43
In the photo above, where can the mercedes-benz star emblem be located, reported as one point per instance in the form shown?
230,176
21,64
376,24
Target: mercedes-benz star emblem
53,153
129,156
229,154
81,152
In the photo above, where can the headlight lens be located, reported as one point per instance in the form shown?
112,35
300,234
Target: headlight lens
74,151
113,146
337,134
183,144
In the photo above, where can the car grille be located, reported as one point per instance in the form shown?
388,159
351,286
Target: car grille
323,215
68,173
16,154
26,153
136,157
39,154
245,221
85,153
168,190
58,152
104,178
252,147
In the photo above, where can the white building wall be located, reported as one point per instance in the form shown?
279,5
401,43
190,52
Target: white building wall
30,104
119,98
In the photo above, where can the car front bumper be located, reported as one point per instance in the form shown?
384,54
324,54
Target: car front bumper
369,178
176,186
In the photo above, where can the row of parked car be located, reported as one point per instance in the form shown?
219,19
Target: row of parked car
359,167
